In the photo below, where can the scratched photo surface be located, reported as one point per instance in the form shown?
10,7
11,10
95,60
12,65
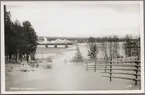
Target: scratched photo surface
72,46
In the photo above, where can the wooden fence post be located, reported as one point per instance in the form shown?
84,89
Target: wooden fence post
136,73
87,66
95,65
105,64
110,69
137,64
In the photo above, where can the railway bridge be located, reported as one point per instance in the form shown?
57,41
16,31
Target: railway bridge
56,44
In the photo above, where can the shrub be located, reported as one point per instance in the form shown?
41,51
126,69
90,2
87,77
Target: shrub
78,55
93,51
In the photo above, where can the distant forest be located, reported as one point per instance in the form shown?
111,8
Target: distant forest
97,39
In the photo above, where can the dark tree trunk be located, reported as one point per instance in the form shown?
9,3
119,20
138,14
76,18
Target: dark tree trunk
27,57
10,57
20,57
16,58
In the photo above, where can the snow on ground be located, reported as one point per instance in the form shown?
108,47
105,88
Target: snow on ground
62,75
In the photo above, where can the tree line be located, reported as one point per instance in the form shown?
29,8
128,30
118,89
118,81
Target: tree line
131,46
113,38
109,46
20,39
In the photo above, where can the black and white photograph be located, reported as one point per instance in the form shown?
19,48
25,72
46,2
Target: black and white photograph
72,47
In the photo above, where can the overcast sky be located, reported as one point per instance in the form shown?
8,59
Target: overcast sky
79,19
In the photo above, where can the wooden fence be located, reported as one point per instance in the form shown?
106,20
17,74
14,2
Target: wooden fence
132,69
127,68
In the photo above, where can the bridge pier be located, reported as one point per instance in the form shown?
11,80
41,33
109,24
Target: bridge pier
46,46
55,46
66,46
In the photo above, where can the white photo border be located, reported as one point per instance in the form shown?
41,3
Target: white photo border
3,91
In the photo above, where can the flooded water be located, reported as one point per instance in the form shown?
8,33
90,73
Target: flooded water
62,76
43,52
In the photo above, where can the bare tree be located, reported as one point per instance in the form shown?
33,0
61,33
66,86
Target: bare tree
104,49
115,47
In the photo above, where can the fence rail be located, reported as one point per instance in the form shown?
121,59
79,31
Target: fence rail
122,73
124,78
131,69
